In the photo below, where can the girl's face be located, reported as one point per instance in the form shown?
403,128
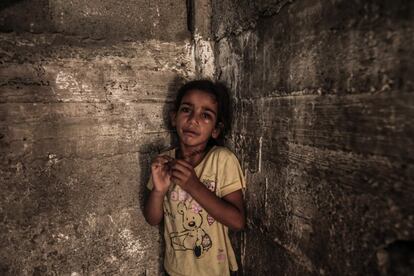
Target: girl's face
195,119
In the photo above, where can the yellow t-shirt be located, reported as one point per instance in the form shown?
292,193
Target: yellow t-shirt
197,244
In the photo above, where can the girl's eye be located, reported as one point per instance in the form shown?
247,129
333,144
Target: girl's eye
184,109
206,116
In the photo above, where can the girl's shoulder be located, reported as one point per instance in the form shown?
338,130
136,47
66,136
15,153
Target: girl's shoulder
222,153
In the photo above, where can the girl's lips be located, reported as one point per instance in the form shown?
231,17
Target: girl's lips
190,132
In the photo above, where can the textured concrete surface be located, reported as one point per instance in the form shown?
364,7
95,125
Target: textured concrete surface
82,112
200,19
323,90
128,20
324,127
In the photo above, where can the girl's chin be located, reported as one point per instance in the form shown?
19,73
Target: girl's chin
192,143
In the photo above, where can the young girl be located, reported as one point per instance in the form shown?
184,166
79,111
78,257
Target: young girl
197,187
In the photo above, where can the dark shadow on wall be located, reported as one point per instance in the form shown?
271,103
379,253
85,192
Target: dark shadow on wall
397,258
146,153
22,16
173,87
149,151
8,3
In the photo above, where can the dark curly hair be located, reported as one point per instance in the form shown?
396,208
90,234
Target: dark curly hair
221,95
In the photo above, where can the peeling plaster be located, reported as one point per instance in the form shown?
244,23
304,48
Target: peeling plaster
204,56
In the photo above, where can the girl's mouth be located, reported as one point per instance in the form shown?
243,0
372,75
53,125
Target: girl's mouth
190,132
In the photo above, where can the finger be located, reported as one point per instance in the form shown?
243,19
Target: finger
164,159
175,180
184,163
178,174
166,170
156,165
161,161
157,162
167,157
181,168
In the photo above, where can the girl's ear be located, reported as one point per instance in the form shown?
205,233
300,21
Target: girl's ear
173,115
217,130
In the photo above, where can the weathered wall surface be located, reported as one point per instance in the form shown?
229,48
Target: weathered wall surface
95,19
323,93
80,119
323,90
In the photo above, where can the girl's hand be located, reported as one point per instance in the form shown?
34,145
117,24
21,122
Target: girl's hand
161,173
183,174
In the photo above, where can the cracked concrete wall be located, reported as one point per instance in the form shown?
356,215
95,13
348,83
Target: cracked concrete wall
323,93
84,91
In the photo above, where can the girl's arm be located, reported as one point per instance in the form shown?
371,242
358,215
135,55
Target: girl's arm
153,209
160,172
228,210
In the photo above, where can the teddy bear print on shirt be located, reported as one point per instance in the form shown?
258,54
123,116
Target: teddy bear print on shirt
193,237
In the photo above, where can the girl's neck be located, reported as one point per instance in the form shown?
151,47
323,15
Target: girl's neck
192,155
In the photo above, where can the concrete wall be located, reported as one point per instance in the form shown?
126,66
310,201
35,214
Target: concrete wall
84,91
95,19
325,127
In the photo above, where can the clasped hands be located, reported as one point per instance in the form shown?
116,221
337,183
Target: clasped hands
165,169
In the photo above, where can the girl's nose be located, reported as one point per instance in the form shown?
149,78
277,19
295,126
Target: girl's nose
193,118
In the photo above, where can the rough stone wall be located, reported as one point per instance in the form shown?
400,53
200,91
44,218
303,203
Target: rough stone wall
325,127
84,92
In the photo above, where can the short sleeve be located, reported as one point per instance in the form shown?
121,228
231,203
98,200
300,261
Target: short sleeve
232,178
